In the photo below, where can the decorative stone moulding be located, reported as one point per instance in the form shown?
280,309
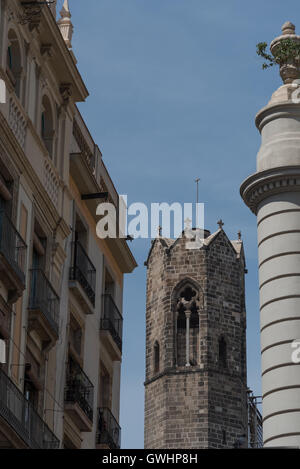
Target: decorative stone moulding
65,90
261,185
32,14
47,49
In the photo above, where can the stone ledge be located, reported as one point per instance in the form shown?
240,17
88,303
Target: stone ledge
192,370
259,186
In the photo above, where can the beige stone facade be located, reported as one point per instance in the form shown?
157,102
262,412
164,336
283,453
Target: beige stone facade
195,388
61,287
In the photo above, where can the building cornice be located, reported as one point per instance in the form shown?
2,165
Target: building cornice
46,32
259,186
64,56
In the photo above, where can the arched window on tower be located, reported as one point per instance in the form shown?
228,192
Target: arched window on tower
156,357
222,352
47,125
13,62
187,312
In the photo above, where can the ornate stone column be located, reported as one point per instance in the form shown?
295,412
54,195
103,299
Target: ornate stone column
187,337
273,194
176,339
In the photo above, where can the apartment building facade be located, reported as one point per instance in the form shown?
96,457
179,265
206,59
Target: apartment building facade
61,287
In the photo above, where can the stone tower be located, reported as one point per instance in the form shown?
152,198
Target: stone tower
195,388
273,194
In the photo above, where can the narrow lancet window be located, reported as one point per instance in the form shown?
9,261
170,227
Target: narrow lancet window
222,352
156,357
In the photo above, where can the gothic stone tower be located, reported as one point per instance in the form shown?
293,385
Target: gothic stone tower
195,388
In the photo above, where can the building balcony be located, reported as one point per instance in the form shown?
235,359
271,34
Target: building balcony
83,277
86,145
12,258
111,326
90,176
43,308
255,423
108,430
79,396
84,158
20,424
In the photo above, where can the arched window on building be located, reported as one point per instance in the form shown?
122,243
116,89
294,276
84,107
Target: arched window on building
14,62
47,125
187,324
222,352
156,357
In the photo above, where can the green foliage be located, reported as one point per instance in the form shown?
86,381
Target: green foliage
285,50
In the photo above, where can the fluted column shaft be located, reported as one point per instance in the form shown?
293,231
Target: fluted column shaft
278,221
187,338
273,194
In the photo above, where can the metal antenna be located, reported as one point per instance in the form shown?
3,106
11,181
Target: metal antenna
197,199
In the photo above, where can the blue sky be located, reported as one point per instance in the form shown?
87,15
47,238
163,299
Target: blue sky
174,88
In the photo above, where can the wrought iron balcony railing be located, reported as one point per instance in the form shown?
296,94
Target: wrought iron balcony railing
255,423
83,271
12,246
112,320
44,298
79,389
23,418
108,431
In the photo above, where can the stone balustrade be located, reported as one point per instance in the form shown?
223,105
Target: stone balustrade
17,121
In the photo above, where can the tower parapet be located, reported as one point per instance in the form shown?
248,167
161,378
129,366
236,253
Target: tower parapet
273,195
